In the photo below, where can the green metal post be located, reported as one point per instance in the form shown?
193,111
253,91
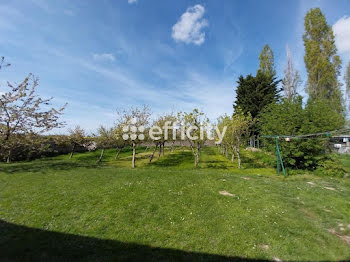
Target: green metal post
282,165
279,159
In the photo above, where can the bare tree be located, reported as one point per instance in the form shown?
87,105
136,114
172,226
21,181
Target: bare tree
291,80
23,112
237,129
168,134
226,143
106,139
2,63
134,121
193,124
119,142
77,137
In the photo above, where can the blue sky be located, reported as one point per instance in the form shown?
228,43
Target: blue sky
172,55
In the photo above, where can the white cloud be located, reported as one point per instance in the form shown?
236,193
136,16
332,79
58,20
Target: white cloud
208,93
132,1
104,57
196,90
342,34
189,28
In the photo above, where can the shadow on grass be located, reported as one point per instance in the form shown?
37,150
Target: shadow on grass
186,158
213,159
62,162
251,162
217,164
174,159
20,243
44,166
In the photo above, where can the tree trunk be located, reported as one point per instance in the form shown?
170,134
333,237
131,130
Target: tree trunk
163,148
118,152
226,151
101,156
251,141
233,154
160,150
72,153
154,151
172,146
196,157
238,157
8,160
133,154
195,154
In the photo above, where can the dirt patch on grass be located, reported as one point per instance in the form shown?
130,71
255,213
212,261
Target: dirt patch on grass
345,238
253,149
225,193
330,188
264,247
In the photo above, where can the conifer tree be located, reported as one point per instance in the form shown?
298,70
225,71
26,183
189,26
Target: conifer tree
321,60
266,61
347,80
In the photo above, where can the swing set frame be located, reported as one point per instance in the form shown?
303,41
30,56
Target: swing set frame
279,160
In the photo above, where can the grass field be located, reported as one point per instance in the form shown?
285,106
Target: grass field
56,209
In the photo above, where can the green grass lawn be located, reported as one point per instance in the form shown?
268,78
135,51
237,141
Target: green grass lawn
56,209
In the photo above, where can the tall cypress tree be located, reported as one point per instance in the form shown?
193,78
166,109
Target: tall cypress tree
255,93
266,61
321,59
347,83
347,79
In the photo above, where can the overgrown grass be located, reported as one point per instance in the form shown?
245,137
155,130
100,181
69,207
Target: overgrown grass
57,209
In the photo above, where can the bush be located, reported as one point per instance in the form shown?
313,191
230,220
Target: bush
330,167
31,146
258,159
291,118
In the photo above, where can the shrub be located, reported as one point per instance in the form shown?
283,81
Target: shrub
330,167
289,117
32,146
